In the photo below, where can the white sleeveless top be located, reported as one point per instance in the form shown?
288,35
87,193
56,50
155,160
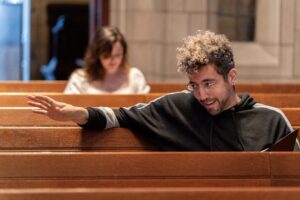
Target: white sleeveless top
78,84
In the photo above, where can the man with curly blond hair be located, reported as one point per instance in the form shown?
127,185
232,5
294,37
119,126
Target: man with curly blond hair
208,116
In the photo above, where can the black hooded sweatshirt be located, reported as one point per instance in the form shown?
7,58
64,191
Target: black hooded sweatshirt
178,122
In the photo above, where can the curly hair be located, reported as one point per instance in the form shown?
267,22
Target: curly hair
102,44
204,48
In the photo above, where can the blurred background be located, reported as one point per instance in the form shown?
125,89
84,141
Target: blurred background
46,39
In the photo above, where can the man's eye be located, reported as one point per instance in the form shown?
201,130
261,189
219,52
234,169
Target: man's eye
191,86
210,84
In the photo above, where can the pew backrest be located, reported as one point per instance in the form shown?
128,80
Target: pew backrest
149,193
122,100
240,87
33,86
156,87
71,139
23,116
84,100
148,169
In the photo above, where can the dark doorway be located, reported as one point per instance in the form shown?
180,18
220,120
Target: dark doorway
69,44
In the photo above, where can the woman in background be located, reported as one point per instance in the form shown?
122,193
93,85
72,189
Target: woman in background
106,69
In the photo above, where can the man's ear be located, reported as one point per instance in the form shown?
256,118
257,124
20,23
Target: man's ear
232,76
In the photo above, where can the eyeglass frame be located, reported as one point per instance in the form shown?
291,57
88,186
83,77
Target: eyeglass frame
207,85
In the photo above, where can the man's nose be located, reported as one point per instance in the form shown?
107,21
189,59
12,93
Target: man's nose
201,94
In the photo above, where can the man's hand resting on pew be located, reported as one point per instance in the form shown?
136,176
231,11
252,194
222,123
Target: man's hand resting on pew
57,110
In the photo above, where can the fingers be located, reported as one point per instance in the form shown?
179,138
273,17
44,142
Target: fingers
40,111
40,101
38,105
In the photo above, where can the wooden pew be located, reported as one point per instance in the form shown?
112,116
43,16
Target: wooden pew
285,169
268,87
133,169
119,100
279,100
167,87
240,87
33,86
70,139
148,169
23,116
59,86
150,193
84,100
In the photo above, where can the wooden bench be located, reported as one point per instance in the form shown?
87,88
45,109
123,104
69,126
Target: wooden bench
240,87
268,87
70,139
150,193
59,86
280,100
133,169
33,86
23,116
148,169
118,100
285,169
84,100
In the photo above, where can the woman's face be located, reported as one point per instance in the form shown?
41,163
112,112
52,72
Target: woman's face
112,62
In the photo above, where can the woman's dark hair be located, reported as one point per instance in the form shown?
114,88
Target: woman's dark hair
102,44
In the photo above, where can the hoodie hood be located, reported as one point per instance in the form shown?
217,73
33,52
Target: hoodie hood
228,121
246,102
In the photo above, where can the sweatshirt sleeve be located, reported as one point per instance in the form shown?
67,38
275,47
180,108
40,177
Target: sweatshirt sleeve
284,127
96,120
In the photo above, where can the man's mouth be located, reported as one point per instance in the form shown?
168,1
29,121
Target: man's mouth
208,102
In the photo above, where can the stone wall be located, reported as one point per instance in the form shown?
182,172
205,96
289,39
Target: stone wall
154,28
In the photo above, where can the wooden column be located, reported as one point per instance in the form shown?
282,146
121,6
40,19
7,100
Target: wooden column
98,15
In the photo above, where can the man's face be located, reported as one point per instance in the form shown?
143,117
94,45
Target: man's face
213,92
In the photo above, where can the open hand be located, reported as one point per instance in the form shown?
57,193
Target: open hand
57,110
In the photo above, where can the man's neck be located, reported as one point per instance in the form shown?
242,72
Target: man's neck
235,99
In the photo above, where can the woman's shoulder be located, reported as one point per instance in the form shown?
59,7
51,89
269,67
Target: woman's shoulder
135,72
77,82
78,72
138,81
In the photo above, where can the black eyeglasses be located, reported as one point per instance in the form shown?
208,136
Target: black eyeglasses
206,86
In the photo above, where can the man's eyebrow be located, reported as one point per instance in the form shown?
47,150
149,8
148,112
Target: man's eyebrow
193,82
203,81
208,80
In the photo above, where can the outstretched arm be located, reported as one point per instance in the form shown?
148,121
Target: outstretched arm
58,110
